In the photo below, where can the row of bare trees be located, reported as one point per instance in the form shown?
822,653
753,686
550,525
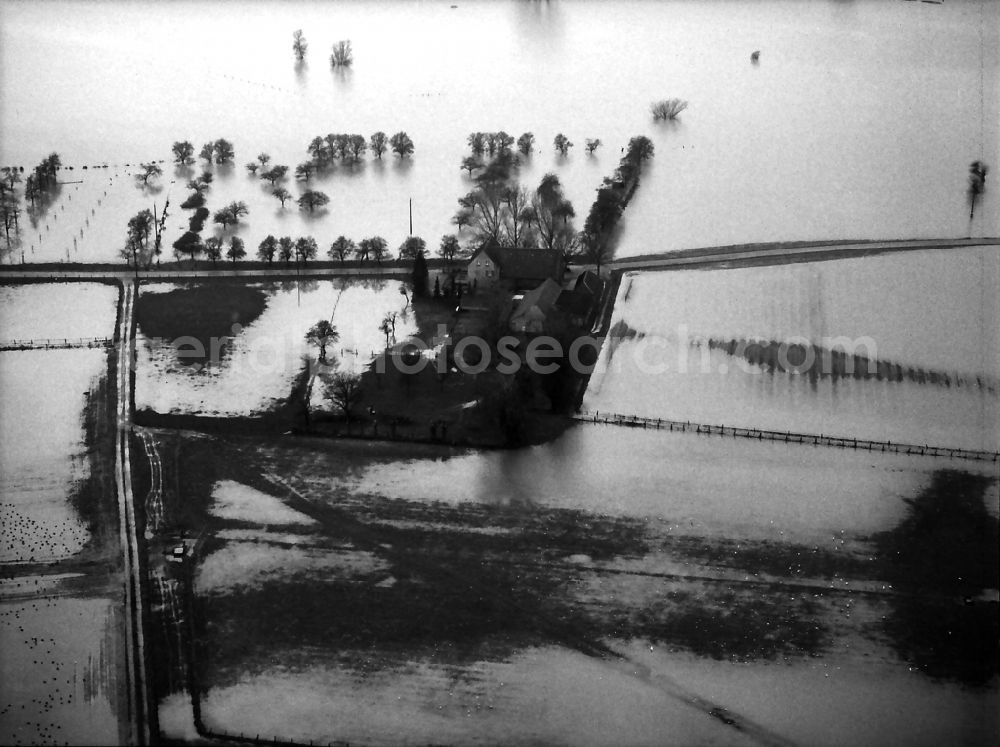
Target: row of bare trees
349,148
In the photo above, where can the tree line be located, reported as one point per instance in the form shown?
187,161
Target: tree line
500,209
324,150
612,197
10,200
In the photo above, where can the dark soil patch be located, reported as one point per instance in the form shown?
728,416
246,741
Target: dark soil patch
371,626
944,553
206,313
948,543
739,627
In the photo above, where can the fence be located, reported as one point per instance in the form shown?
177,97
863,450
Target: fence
57,343
815,439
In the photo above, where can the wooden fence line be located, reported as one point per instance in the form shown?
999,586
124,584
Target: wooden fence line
54,343
815,439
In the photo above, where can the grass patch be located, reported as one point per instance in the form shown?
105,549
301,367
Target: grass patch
203,312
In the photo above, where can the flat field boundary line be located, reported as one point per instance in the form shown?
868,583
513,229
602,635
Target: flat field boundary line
814,439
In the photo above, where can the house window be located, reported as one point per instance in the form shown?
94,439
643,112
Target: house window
478,263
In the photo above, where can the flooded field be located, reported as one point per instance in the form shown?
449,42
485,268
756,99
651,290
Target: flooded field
57,310
847,88
926,320
58,672
45,394
255,369
60,618
403,612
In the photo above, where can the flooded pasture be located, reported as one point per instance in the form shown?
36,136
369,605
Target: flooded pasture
45,462
928,319
61,626
59,670
423,608
827,137
613,585
256,366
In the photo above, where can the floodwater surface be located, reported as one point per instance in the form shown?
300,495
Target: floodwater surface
930,317
859,121
254,370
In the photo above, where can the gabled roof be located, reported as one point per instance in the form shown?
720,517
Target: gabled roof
543,297
531,264
589,282
491,249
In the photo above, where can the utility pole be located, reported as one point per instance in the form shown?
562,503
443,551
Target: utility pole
411,217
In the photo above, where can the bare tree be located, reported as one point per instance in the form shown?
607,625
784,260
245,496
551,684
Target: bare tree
305,170
592,145
449,248
149,170
322,334
667,108
282,194
236,249
977,184
471,163
345,391
213,248
375,248
504,142
342,55
342,248
388,327
183,152
274,174
357,145
267,249
313,199
517,216
306,248
286,249
299,44
401,144
379,142
231,213
477,143
224,151
595,249
463,217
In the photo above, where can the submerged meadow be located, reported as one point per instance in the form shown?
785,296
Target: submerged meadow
587,590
